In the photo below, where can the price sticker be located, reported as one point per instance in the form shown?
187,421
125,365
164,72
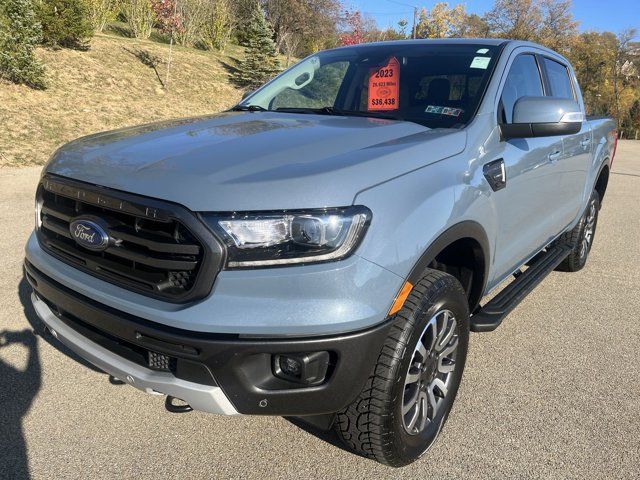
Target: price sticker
384,86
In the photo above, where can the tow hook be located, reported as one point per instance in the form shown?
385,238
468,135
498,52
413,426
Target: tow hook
172,407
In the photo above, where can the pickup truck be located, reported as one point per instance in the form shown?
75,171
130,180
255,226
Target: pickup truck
323,249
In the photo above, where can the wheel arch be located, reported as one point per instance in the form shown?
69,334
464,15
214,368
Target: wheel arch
464,246
602,180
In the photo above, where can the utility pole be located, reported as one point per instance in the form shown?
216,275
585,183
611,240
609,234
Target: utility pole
415,17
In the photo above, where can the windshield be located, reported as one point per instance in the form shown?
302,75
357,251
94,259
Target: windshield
439,85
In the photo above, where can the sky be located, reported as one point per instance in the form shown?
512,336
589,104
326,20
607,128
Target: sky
612,15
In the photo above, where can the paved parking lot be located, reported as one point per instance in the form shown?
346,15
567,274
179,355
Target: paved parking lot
553,393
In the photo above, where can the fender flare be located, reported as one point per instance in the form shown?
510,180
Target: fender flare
467,229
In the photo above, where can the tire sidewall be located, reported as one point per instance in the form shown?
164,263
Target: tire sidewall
581,261
451,298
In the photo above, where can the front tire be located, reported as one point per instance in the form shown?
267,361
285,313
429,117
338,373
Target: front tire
408,396
580,238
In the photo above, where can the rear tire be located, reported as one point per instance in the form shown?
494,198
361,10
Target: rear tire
580,238
408,396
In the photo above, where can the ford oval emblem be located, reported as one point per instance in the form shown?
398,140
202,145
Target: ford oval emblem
89,234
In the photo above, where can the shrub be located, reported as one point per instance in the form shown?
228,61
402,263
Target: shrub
65,23
261,62
19,34
193,14
102,12
139,17
168,19
219,26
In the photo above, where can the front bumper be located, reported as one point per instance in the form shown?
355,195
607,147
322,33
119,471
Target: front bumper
218,373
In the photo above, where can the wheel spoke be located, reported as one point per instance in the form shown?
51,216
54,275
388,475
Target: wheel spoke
432,401
408,404
421,349
449,332
422,406
446,367
443,329
449,350
441,386
414,416
412,377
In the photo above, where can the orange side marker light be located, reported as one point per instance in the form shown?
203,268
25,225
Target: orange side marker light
401,297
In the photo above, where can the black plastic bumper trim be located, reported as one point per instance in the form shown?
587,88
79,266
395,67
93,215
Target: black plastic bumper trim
241,367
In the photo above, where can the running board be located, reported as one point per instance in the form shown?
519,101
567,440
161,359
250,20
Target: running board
490,316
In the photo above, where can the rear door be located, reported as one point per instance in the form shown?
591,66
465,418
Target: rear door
524,207
573,165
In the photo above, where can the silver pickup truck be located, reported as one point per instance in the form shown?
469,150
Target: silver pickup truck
323,249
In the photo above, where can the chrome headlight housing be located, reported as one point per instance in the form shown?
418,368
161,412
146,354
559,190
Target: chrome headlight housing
292,237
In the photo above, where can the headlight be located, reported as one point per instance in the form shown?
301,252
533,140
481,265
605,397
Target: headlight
291,237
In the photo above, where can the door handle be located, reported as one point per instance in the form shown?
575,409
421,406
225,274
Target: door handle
585,143
554,156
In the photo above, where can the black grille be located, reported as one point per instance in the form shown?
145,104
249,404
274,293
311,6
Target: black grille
161,250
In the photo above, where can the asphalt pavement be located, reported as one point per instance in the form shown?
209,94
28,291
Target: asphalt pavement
553,393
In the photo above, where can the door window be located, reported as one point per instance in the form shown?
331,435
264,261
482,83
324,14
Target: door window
523,81
559,81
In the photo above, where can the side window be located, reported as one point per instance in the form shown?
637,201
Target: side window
559,81
523,80
320,92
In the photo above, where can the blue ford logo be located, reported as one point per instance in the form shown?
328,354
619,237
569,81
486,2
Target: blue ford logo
89,234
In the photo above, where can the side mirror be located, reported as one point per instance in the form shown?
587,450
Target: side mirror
543,117
246,94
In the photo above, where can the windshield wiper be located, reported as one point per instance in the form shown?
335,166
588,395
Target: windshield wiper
336,111
248,108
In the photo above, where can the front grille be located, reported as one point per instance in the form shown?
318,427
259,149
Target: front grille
156,249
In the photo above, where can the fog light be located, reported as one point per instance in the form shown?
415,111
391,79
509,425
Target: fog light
290,366
307,368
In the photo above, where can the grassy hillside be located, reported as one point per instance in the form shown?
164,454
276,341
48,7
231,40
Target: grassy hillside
109,86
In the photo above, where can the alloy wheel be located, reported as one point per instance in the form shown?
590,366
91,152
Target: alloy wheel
429,375
590,224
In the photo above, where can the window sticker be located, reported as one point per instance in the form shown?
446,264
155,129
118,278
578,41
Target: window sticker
482,51
384,86
480,62
452,112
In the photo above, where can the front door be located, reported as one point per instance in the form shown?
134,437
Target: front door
525,207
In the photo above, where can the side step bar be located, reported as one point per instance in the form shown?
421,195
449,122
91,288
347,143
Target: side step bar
490,316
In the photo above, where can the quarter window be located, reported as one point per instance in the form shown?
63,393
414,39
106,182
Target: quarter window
559,81
523,81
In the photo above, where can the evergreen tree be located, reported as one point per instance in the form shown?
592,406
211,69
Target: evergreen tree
65,23
261,61
19,35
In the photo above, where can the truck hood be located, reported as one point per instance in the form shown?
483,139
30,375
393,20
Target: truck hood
237,161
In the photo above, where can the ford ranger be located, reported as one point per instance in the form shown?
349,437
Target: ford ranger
323,249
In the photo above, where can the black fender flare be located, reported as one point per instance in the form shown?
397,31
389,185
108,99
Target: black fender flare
467,229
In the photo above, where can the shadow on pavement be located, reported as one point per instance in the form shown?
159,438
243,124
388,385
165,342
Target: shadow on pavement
328,436
24,292
18,388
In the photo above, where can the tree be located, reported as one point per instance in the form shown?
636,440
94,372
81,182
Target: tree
354,33
441,21
515,19
402,28
302,27
139,16
20,32
65,23
101,12
558,26
475,27
261,61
